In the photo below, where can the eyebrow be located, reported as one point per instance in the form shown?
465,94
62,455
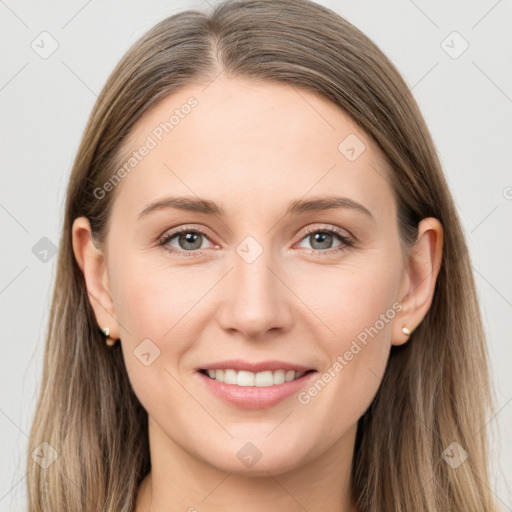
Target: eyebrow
206,206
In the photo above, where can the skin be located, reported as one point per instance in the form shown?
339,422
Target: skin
252,148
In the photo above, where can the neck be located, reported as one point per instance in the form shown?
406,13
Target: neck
178,481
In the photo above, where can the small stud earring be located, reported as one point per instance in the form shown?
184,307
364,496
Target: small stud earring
109,341
406,331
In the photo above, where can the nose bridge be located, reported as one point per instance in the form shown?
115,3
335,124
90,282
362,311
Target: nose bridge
253,280
254,300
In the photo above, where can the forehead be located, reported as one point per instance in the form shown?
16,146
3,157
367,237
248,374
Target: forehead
250,144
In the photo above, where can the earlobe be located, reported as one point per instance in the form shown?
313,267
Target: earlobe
423,265
91,261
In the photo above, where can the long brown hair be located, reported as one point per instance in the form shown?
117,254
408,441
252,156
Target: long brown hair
436,388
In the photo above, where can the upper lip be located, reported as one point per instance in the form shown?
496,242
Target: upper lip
255,367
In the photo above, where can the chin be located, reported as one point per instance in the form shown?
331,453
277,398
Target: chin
257,459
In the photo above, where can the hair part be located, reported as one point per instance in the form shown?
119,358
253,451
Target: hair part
435,389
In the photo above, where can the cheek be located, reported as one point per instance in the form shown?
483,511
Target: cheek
152,307
150,298
352,298
358,305
161,314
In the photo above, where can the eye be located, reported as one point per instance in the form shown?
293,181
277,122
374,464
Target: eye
321,240
189,241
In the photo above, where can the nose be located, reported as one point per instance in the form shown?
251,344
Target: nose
256,299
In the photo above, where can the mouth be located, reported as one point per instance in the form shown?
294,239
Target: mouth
261,389
245,378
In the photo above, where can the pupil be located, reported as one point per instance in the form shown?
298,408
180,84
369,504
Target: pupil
323,238
191,238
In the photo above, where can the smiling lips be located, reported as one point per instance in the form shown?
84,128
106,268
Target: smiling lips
261,379
254,385
262,374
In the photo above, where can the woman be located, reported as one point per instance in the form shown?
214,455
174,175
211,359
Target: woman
201,357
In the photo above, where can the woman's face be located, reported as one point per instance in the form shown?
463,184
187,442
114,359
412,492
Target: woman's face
277,279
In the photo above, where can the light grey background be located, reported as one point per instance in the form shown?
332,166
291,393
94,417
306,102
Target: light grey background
466,101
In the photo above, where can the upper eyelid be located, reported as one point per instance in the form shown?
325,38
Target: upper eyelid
334,229
172,232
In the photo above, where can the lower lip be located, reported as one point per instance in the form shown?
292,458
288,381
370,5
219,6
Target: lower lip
255,397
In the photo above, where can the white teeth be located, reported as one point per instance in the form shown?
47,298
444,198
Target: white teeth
244,378
230,377
261,379
278,377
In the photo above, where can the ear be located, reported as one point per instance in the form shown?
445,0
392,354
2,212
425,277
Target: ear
419,278
91,261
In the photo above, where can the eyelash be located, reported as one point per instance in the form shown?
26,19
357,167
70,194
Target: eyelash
347,242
